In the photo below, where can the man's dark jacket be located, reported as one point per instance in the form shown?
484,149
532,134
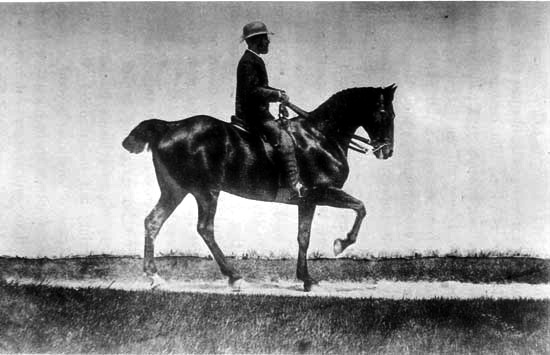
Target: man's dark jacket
253,92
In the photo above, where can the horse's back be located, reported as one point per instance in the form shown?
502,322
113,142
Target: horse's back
205,151
199,129
184,132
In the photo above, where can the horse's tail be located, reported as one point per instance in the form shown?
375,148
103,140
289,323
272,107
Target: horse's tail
147,133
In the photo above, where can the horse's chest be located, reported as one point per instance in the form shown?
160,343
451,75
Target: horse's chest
320,167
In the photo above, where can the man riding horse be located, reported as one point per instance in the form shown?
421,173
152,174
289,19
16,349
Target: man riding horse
254,95
203,156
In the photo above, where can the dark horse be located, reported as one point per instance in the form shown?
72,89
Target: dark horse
202,156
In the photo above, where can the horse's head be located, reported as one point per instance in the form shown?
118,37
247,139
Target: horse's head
379,122
367,107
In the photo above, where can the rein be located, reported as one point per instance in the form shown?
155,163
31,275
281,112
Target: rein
353,145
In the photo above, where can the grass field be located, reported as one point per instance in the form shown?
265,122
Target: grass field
44,319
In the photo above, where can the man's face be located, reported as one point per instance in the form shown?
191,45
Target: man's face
263,44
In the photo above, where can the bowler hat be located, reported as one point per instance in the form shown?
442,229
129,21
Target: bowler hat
255,28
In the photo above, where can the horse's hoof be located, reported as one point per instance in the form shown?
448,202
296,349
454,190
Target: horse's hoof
310,285
370,284
237,285
338,247
157,281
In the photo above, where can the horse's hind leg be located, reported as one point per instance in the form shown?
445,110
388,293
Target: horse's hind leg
207,203
153,222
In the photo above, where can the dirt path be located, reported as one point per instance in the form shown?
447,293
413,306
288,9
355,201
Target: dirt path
381,289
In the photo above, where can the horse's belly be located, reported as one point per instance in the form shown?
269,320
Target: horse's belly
252,177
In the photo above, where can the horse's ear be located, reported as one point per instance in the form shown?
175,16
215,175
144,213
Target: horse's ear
391,90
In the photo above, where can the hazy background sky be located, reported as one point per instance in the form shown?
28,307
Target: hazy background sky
472,143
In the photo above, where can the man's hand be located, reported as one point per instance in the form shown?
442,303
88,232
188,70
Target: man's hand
283,97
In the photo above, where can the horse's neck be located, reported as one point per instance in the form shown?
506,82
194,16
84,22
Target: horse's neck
332,129
337,116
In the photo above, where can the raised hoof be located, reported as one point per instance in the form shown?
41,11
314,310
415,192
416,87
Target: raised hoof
338,247
157,281
237,285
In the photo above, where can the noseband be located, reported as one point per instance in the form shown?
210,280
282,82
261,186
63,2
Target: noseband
365,145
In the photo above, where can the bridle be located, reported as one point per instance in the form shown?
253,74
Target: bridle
364,145
357,143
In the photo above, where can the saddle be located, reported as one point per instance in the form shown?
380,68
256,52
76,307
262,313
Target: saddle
269,151
283,115
267,147
240,123
243,126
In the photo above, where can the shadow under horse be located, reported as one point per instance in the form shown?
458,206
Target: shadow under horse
202,156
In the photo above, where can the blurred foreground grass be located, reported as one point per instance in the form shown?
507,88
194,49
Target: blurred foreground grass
56,320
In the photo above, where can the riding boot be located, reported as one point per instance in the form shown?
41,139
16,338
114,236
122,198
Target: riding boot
290,166
284,146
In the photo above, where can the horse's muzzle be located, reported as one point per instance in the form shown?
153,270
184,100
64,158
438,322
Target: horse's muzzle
383,151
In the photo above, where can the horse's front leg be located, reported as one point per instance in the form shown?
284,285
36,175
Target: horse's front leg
306,211
335,197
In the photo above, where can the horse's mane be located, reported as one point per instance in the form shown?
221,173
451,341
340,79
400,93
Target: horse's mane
347,98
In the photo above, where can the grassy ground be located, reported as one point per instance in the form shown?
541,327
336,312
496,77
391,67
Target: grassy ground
55,320
465,269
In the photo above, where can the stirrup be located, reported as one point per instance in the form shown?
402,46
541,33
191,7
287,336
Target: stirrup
298,189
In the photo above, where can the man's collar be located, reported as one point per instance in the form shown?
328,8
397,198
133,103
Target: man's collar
251,51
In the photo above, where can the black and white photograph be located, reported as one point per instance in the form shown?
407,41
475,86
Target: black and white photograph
275,177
